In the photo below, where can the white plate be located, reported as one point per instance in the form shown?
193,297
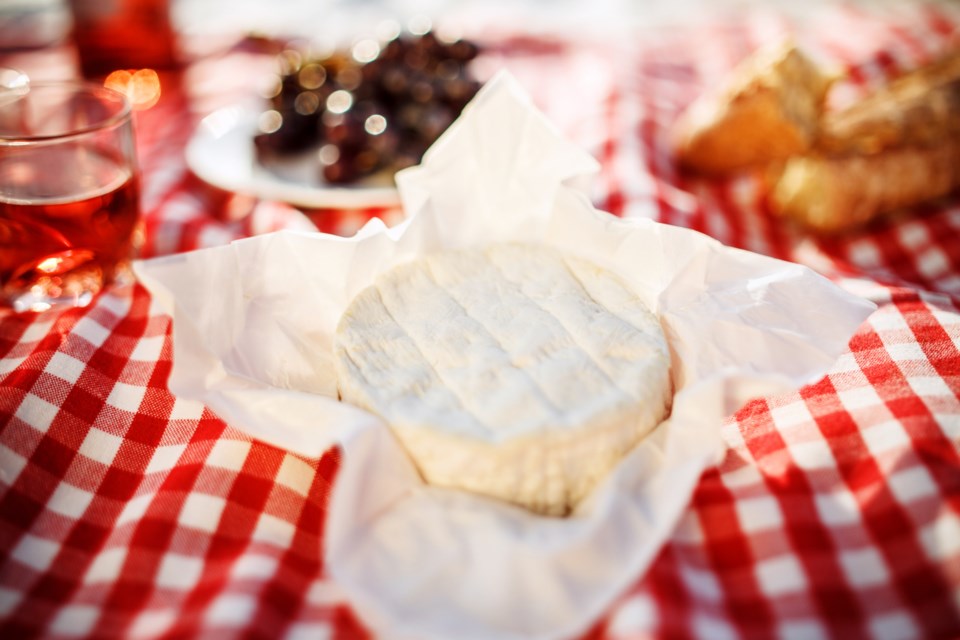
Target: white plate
221,152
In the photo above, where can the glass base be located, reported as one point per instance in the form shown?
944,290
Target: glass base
38,292
38,301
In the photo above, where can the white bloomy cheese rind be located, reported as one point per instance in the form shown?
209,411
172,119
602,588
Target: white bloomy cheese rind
513,371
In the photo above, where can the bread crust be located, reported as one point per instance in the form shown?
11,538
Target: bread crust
830,171
831,194
895,148
768,111
919,108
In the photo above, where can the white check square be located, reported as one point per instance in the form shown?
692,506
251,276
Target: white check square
11,465
106,566
846,364
37,412
126,397
165,458
75,620
324,592
864,567
153,623
933,262
911,484
101,446
231,610
69,500
118,305
135,508
636,207
635,616
202,511
273,530
812,454
148,349
703,584
228,454
214,236
864,254
913,235
949,283
186,410
906,352
759,514
941,538
865,397
9,364
66,367
36,553
255,565
930,386
745,476
780,575
839,507
893,626
9,599
36,331
886,436
178,571
733,437
888,320
801,630
91,331
791,415
295,474
309,631
709,626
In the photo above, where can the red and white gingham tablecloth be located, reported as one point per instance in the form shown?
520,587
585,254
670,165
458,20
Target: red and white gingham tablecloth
125,511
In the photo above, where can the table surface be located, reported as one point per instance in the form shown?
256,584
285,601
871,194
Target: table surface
125,511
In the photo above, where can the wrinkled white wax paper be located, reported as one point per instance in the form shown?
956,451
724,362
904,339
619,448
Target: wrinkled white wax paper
252,331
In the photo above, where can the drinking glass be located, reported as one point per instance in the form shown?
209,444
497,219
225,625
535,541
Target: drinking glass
69,194
13,82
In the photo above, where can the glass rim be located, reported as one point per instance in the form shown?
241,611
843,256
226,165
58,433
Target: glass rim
92,88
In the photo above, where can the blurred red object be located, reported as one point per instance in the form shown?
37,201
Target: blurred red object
123,34
141,86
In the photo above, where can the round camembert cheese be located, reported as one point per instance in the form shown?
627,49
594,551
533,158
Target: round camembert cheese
514,371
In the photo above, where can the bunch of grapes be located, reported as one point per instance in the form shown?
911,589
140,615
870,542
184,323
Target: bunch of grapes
375,109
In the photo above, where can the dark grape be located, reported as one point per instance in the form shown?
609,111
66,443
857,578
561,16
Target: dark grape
377,109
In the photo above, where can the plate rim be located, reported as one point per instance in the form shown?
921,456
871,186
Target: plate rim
239,120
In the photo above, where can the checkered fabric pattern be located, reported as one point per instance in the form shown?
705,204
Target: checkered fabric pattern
125,511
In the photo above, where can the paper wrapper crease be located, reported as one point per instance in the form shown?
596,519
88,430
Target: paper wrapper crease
253,324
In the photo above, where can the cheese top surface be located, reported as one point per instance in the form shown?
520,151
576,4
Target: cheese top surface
504,369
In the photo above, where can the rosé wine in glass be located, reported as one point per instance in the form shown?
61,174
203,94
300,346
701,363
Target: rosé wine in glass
69,195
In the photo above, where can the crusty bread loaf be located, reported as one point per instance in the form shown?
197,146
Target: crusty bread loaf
831,171
895,148
835,193
769,110
920,107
